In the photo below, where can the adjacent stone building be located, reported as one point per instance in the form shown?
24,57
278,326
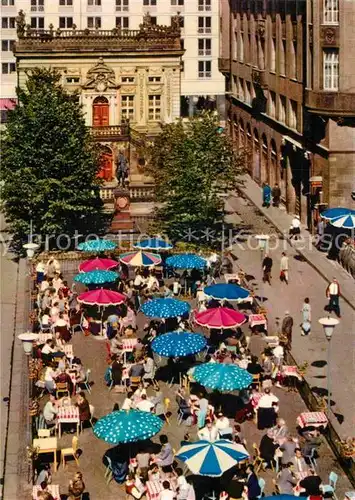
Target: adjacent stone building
289,66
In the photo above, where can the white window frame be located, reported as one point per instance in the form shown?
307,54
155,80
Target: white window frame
66,3
122,5
206,71
10,23
37,5
94,22
37,27
331,11
124,20
204,5
204,51
331,69
11,68
94,3
204,29
127,107
8,44
178,3
7,3
66,23
154,107
149,3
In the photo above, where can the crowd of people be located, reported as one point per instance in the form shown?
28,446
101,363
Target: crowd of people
133,370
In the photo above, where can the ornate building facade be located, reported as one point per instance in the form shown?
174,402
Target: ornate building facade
128,82
291,96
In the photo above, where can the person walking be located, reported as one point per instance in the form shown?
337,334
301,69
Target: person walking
306,317
286,329
276,195
295,229
333,293
266,195
267,266
284,268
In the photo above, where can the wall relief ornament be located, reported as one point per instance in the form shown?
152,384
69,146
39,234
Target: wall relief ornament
329,36
100,77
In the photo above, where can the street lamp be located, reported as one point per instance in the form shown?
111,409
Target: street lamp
328,324
30,249
27,340
262,240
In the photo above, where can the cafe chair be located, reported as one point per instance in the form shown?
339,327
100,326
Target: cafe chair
330,488
92,410
44,433
108,470
68,452
134,382
258,462
62,388
311,458
256,381
86,382
44,328
262,484
167,413
276,486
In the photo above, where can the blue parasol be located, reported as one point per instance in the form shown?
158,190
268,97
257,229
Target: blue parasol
96,277
156,244
211,459
229,292
165,308
222,377
344,221
186,261
97,246
333,213
178,344
127,426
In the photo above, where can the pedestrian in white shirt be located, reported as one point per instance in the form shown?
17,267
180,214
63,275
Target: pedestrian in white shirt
152,283
267,410
333,293
208,433
284,268
127,403
295,229
167,493
144,404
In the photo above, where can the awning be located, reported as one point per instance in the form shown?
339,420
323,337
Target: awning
7,103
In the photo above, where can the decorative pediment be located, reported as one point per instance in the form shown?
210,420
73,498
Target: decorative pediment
100,77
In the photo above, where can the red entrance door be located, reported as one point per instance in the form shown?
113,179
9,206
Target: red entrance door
100,112
106,165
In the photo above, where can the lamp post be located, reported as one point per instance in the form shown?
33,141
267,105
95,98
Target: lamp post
27,340
262,240
328,324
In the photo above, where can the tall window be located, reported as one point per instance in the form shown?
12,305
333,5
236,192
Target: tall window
241,46
240,89
331,69
149,2
66,2
293,59
8,68
292,121
122,5
272,104
204,46
37,23
127,107
282,109
204,5
177,2
7,45
204,69
248,93
94,22
65,22
7,3
204,25
282,56
154,107
272,54
8,22
122,22
331,11
94,2
37,5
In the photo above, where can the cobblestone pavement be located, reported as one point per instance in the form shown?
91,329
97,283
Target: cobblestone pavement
304,281
93,354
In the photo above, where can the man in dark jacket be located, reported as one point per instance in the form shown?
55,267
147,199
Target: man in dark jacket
252,484
276,195
267,266
267,448
311,484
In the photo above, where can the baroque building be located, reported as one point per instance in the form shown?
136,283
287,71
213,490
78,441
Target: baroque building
128,83
290,75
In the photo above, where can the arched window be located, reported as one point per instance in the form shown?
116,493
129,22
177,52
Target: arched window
100,112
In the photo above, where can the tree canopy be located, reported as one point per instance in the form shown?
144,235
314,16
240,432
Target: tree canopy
192,163
49,164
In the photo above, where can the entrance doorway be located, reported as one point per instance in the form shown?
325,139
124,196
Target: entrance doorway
100,112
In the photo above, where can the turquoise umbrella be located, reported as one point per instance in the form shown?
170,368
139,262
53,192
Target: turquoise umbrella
97,246
96,277
186,261
165,308
178,344
222,377
127,426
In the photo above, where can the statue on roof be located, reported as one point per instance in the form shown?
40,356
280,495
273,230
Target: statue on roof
20,24
147,21
176,22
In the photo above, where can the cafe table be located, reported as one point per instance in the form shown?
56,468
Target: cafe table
53,489
68,415
153,489
47,445
312,418
43,337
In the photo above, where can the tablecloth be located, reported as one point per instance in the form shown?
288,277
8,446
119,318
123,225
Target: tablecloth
314,418
153,489
52,488
68,414
291,371
257,319
129,344
43,337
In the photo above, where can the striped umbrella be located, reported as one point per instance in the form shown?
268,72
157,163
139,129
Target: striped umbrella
140,259
212,459
344,221
334,213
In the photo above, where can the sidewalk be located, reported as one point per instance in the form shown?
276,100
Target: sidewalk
306,279
318,260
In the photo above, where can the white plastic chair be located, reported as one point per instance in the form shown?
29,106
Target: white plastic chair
262,483
330,488
86,382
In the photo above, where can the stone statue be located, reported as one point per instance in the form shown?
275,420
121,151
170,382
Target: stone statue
20,24
147,21
176,22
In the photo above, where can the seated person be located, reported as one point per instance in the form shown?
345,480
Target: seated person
280,430
311,484
64,378
80,372
136,370
50,411
144,404
267,448
286,479
48,349
254,367
208,433
116,345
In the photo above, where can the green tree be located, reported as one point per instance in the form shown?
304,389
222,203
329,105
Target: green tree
49,164
192,163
